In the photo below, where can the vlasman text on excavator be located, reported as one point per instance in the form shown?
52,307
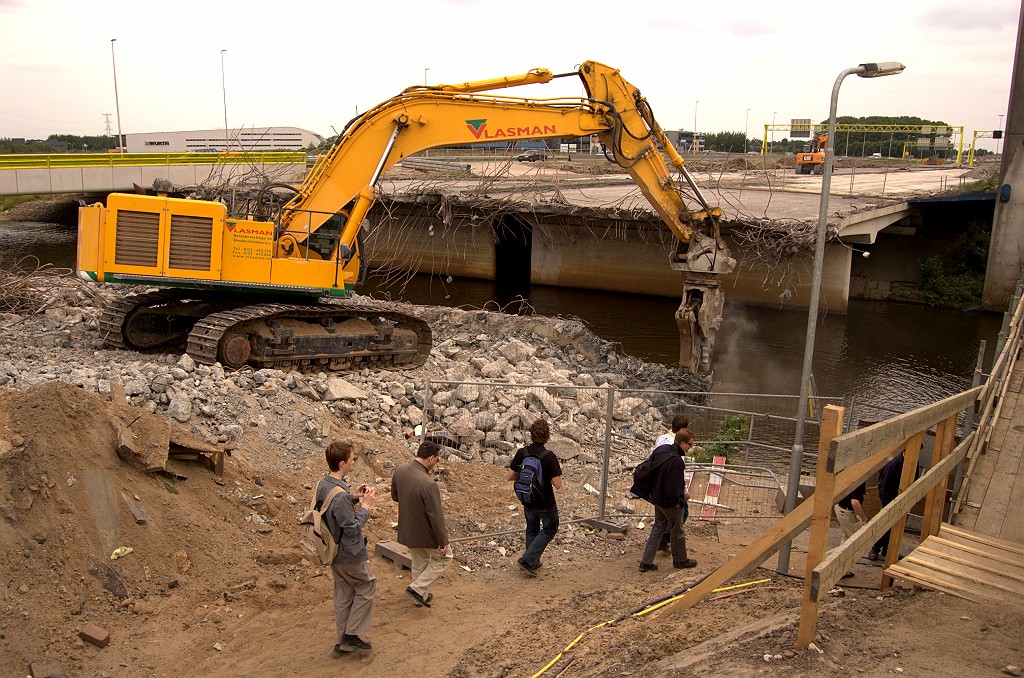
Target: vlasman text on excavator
254,288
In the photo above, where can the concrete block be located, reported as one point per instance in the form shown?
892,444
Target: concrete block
98,636
395,552
46,669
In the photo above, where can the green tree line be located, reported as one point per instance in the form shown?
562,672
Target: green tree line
60,143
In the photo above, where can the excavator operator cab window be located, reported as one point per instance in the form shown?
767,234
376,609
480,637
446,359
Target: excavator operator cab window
325,239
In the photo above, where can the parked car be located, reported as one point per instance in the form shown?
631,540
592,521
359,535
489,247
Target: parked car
532,155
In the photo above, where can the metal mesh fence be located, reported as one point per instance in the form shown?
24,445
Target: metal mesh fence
607,431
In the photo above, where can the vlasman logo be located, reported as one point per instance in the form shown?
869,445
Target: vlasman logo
478,128
231,226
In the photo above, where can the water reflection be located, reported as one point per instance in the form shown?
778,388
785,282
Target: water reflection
27,244
896,356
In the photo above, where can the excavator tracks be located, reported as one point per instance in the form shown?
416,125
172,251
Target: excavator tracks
315,337
342,337
130,322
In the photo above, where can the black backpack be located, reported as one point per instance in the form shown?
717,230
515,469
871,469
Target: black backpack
529,484
643,474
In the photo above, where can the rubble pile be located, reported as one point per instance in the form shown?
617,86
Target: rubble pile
481,418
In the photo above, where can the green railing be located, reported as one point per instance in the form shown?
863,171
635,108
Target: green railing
41,161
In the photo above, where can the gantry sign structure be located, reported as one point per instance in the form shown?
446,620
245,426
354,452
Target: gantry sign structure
930,139
982,134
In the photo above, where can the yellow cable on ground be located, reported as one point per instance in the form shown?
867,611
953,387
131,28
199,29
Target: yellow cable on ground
663,603
652,608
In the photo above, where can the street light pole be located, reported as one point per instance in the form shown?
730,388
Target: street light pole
771,146
425,75
746,127
224,91
117,102
695,146
999,142
871,70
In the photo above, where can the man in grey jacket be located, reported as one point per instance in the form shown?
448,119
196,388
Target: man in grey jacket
354,584
421,525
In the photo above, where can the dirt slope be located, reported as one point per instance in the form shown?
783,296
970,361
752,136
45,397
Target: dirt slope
215,584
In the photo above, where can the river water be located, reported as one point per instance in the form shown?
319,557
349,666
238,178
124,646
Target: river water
896,356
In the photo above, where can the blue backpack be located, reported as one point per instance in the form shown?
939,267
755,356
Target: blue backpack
529,484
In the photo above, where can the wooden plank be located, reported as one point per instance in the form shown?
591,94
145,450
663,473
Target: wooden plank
910,459
989,553
947,567
1003,544
840,559
138,511
856,445
778,533
998,503
945,434
821,517
969,558
934,582
1013,522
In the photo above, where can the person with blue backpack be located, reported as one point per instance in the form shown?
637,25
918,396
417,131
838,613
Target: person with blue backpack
536,475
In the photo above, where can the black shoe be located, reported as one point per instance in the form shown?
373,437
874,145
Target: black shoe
872,554
686,564
340,651
352,643
665,548
420,601
648,567
531,571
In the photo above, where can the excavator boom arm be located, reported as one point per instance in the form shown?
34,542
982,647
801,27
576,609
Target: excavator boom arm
427,117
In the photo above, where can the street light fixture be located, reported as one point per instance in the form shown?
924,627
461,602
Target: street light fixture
870,70
224,91
117,103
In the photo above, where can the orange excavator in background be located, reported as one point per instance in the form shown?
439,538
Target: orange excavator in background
250,288
812,158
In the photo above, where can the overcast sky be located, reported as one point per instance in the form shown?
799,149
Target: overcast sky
313,63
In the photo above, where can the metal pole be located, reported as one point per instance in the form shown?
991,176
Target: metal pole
771,145
607,452
746,126
695,122
117,102
793,483
425,75
224,90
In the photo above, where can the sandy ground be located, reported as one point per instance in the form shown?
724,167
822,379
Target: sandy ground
215,584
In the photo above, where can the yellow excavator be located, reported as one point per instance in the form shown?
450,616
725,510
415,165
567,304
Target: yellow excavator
250,289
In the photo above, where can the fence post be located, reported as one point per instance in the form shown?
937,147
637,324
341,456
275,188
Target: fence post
426,409
911,455
607,451
823,498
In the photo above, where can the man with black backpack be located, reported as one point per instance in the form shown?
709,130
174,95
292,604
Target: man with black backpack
668,494
537,474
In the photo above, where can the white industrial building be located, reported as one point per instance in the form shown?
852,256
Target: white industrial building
249,139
